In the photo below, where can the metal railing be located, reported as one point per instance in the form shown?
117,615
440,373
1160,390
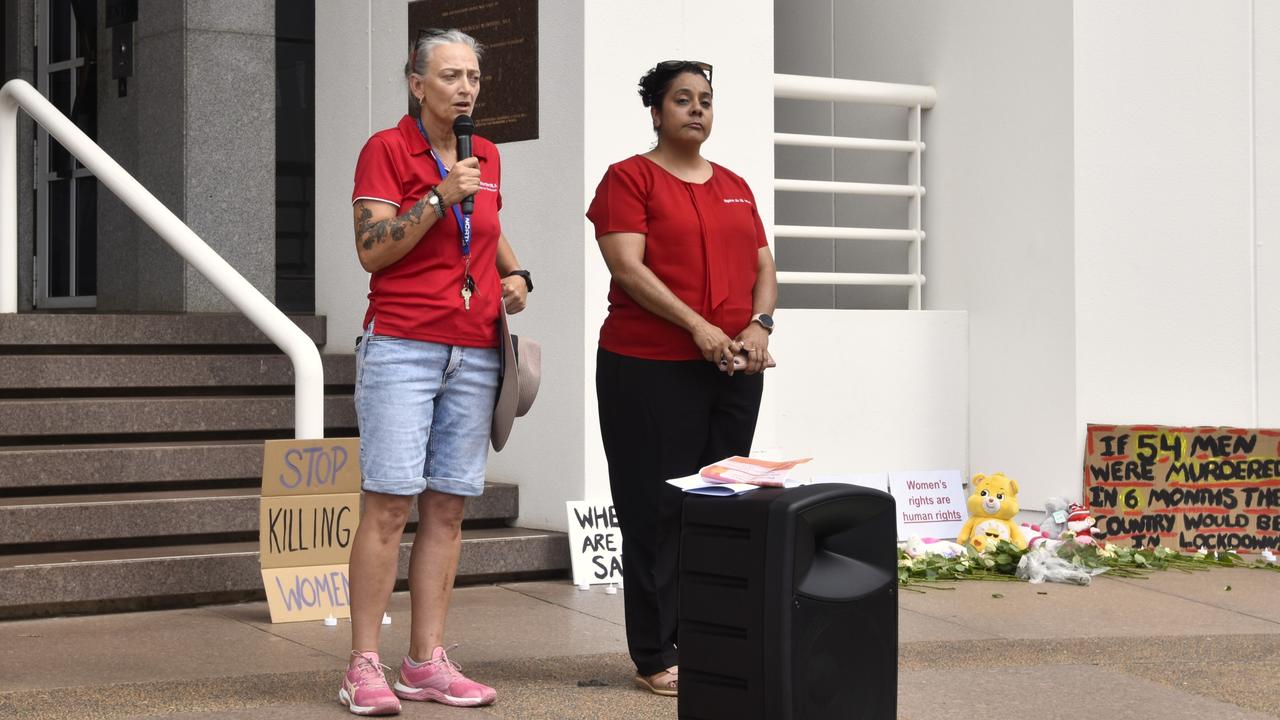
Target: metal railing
308,372
913,97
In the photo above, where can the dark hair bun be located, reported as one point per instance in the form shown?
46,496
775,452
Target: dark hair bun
655,82
651,87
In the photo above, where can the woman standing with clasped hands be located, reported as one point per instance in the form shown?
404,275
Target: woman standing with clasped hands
426,368
693,286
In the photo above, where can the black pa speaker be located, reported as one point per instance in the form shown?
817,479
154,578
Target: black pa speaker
788,605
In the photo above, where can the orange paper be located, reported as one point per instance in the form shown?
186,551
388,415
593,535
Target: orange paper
738,469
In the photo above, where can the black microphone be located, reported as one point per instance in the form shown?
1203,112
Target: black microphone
464,127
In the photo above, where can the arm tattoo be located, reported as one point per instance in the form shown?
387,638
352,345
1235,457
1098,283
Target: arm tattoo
372,233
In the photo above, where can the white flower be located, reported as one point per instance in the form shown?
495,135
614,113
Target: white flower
1202,552
1269,556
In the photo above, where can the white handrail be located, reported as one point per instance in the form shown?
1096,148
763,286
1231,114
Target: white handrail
791,277
846,188
825,89
828,232
845,143
308,373
804,87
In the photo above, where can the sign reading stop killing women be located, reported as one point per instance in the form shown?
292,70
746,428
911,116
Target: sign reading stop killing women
307,521
1189,488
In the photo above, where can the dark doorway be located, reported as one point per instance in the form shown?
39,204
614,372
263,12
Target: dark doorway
295,155
66,192
5,43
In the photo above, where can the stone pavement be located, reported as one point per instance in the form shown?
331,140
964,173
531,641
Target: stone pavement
1172,646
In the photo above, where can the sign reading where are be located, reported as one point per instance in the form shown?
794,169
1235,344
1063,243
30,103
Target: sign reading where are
307,520
595,542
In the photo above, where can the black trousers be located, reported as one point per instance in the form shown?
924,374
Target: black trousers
659,420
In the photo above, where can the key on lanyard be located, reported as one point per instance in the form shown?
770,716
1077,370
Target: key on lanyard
467,288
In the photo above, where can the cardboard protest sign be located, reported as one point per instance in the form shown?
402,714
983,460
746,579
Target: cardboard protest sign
307,593
311,467
930,503
307,529
1188,488
595,542
307,520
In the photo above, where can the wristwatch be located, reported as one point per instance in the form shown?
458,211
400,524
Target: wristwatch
765,320
528,281
436,202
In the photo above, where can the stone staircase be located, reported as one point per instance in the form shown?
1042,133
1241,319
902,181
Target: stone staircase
130,460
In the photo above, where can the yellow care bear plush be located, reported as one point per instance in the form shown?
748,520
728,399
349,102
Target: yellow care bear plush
992,506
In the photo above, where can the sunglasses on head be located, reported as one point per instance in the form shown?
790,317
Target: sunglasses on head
413,53
705,68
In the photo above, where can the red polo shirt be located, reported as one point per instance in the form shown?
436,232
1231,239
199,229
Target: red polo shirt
418,297
701,240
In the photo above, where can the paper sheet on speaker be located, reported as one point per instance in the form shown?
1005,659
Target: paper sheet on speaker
750,471
697,485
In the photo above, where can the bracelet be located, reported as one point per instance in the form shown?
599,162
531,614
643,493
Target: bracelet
528,281
438,205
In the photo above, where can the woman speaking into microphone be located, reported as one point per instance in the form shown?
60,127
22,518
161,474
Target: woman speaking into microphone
425,205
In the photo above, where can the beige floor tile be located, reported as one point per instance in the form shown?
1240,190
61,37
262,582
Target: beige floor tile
1253,592
1067,692
487,622
1107,608
137,647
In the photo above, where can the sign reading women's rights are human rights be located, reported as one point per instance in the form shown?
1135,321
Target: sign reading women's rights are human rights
1189,488
307,521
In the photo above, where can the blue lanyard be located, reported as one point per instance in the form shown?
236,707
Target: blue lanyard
464,221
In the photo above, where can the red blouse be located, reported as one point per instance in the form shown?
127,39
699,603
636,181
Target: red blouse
701,240
418,296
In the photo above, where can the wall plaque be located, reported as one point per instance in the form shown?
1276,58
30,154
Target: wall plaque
507,109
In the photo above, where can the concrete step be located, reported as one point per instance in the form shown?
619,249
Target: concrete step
60,466
39,331
50,418
123,372
96,580
79,518
170,411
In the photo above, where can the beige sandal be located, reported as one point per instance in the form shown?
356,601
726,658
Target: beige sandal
662,683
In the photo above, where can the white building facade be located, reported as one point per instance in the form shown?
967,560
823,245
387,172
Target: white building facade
1102,210
1101,214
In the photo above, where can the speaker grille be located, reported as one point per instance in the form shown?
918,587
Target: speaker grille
844,658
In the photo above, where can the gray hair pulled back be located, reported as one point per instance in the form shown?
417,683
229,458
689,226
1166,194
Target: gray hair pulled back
420,52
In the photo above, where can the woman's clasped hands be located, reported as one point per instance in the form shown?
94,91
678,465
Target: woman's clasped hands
751,347
753,341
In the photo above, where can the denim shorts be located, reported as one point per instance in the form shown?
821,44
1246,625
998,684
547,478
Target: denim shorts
425,411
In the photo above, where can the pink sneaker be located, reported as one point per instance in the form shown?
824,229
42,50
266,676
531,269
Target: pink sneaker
364,687
441,680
